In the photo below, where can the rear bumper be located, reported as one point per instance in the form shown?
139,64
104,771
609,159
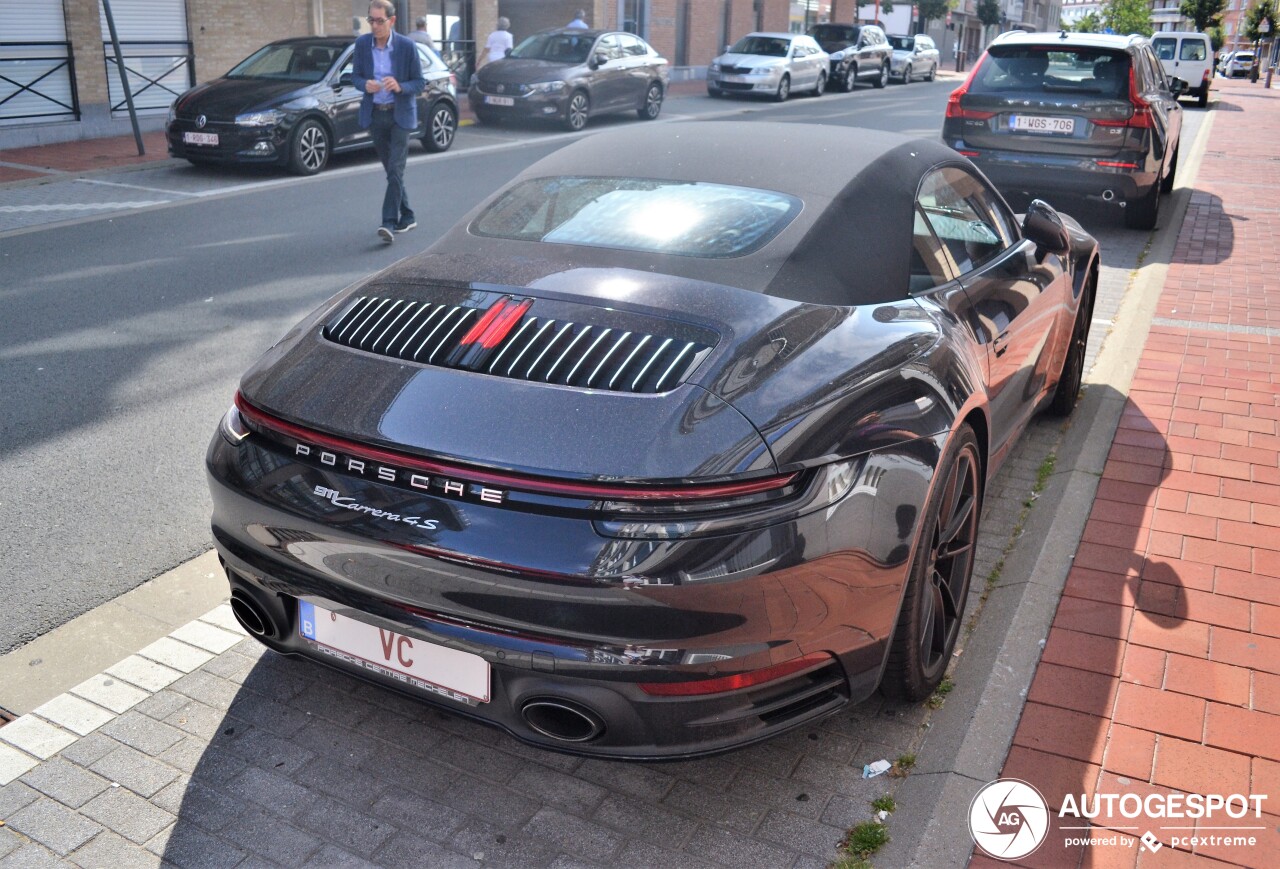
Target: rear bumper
583,641
1043,176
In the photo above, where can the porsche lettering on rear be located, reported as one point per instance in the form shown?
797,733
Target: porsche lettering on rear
434,484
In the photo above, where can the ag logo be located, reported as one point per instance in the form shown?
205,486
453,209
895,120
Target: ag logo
1008,819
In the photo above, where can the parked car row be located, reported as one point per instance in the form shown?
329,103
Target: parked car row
1236,63
777,65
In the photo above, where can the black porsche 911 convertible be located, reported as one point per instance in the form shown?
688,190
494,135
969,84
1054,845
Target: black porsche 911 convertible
669,447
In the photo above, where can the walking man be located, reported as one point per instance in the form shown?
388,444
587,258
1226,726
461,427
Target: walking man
386,68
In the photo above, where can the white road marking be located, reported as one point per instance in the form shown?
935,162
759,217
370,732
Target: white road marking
136,187
78,206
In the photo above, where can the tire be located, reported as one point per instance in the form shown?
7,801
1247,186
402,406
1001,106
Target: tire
906,74
1143,213
309,148
941,572
652,103
715,93
442,126
577,112
884,77
1203,100
1068,390
784,90
850,79
1166,186
821,87
933,73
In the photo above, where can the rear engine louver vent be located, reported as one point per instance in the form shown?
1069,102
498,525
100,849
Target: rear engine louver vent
504,340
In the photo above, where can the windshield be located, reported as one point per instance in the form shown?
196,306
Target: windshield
838,34
765,46
669,217
1037,70
291,62
557,47
902,43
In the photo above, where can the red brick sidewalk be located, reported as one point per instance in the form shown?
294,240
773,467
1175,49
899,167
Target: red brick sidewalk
1162,670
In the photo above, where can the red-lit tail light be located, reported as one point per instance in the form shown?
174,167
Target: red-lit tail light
955,109
1142,117
722,684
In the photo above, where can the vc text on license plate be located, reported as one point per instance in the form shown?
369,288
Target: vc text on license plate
459,675
1042,124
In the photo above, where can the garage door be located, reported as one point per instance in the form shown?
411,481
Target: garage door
35,74
156,51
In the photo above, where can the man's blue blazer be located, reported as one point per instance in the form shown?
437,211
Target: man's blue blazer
405,66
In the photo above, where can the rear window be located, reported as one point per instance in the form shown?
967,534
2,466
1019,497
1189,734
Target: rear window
667,217
1165,47
1192,49
1067,71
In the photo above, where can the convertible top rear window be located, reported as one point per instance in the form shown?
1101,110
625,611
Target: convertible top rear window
667,217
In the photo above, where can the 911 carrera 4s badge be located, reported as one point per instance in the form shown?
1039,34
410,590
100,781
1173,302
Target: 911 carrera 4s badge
337,499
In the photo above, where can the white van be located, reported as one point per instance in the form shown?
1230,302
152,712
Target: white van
1188,56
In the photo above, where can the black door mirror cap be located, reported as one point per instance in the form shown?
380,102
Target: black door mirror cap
1042,225
1178,86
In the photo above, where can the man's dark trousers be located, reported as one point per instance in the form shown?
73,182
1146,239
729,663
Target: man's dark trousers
391,142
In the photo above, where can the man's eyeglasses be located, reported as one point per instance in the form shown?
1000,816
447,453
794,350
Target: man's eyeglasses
373,20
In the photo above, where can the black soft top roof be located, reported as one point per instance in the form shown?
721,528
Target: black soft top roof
849,245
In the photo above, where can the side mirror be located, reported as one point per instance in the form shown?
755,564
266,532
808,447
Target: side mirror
345,80
1178,86
1042,225
597,60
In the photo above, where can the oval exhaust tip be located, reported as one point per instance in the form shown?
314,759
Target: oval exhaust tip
563,720
251,616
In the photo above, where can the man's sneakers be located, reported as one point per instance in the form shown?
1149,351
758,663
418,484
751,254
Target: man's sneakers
406,224
385,233
388,233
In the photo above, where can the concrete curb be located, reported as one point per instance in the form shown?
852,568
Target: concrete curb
975,728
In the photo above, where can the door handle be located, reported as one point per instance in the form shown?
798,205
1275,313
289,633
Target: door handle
1001,343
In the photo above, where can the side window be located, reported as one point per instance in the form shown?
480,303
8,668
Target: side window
930,265
632,47
610,47
960,211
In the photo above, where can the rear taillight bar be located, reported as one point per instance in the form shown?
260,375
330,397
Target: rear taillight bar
678,493
1142,117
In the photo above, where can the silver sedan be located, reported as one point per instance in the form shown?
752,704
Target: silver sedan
914,57
769,64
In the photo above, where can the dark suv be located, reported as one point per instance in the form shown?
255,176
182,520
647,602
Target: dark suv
859,52
1079,114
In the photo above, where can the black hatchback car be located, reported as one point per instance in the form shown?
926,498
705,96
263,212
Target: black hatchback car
570,75
291,103
1080,114
859,53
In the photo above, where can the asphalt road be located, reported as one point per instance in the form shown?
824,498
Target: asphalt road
122,337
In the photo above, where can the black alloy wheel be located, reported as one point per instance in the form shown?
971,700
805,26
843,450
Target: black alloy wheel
850,78
1068,389
652,103
441,128
884,76
784,89
821,87
575,116
906,74
309,148
933,607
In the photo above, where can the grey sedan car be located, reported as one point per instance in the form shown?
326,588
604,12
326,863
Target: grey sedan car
914,57
769,64
569,75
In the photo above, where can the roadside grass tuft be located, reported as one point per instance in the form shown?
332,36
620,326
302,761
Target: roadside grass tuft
864,840
903,765
885,803
939,696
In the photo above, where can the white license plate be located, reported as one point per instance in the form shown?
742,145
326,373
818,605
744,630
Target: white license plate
416,662
200,138
499,101
1041,124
